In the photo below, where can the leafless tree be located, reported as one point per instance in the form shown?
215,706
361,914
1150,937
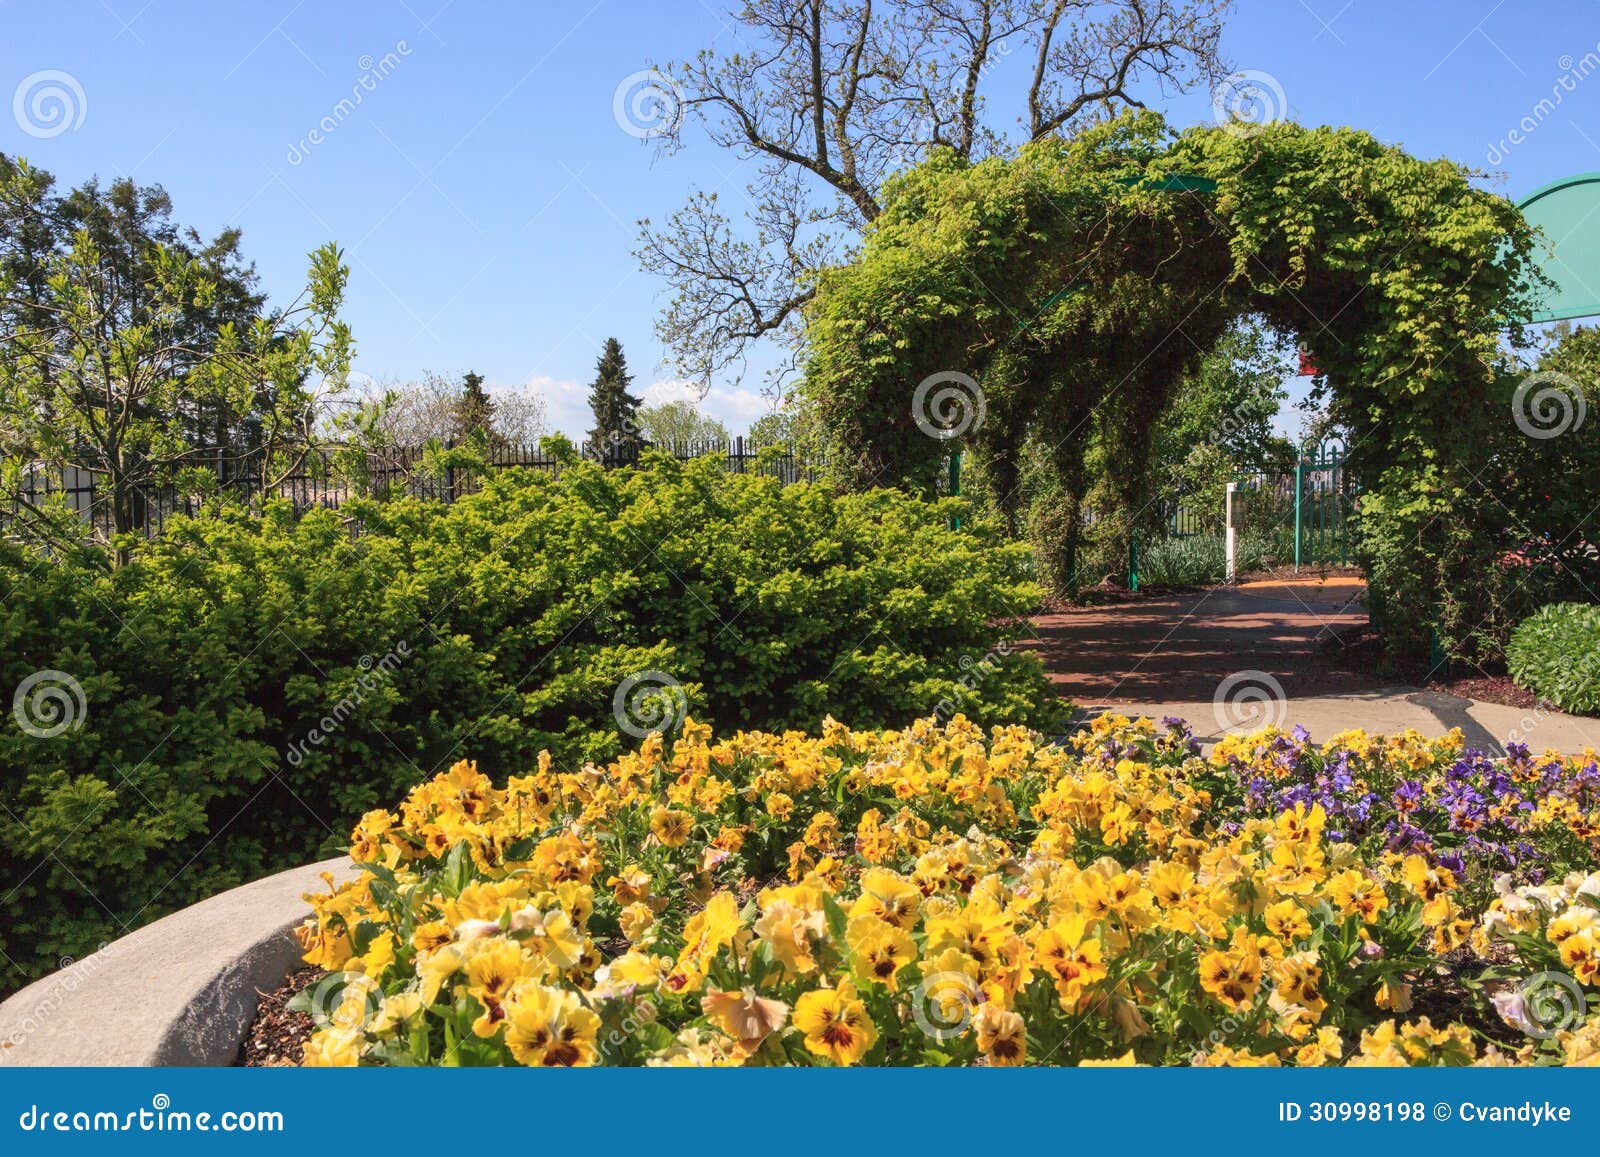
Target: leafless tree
827,98
413,413
521,417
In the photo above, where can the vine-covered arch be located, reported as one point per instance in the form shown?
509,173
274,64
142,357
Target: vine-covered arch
1077,282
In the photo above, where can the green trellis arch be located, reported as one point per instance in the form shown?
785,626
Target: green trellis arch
1080,280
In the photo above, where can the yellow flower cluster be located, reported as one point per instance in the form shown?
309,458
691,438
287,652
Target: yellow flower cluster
935,895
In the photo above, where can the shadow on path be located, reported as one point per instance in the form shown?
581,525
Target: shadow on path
1180,647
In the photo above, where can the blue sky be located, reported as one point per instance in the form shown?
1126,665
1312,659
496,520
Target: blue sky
486,197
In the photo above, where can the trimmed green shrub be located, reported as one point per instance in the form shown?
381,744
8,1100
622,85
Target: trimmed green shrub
1555,653
251,684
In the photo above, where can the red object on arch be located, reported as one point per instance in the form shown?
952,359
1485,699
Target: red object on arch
1308,368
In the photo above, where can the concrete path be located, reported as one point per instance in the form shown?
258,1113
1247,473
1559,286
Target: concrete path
1233,659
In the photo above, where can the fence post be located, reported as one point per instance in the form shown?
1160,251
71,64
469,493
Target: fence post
1230,567
955,485
1299,494
1133,561
1341,510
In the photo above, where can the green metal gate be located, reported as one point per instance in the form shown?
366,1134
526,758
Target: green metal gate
1303,516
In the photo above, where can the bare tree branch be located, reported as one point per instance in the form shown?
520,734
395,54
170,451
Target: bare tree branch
828,98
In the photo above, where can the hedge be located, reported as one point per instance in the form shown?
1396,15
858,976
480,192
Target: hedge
252,683
1555,653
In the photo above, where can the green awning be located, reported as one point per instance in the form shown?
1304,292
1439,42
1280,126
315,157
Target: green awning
1173,183
1569,213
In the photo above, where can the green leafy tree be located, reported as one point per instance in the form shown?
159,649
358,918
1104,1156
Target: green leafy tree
680,423
616,421
793,425
1230,401
136,352
1220,422
134,360
129,225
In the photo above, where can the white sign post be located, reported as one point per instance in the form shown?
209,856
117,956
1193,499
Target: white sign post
1232,573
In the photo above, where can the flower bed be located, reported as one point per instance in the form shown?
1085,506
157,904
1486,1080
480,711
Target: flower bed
940,895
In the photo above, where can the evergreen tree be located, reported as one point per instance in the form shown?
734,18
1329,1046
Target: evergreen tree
474,411
616,425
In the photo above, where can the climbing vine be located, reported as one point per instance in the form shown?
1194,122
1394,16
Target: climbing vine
1078,281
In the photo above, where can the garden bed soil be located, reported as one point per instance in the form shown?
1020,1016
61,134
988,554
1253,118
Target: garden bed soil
277,1037
1110,595
1314,571
1359,649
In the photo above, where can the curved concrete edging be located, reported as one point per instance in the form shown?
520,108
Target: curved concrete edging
180,991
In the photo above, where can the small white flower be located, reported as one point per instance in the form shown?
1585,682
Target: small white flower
1513,1009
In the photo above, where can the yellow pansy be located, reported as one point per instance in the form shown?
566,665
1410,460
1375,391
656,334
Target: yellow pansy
835,1024
549,1027
1002,1035
880,949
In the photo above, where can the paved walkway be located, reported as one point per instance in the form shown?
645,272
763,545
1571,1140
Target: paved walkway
1234,659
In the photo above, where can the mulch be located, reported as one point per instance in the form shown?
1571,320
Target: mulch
277,1037
1359,649
1113,594
1494,689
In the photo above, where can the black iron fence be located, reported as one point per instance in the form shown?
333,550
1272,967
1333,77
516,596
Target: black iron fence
329,476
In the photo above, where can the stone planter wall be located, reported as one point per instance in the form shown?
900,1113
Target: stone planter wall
181,991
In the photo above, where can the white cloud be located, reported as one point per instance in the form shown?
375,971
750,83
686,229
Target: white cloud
568,403
734,407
